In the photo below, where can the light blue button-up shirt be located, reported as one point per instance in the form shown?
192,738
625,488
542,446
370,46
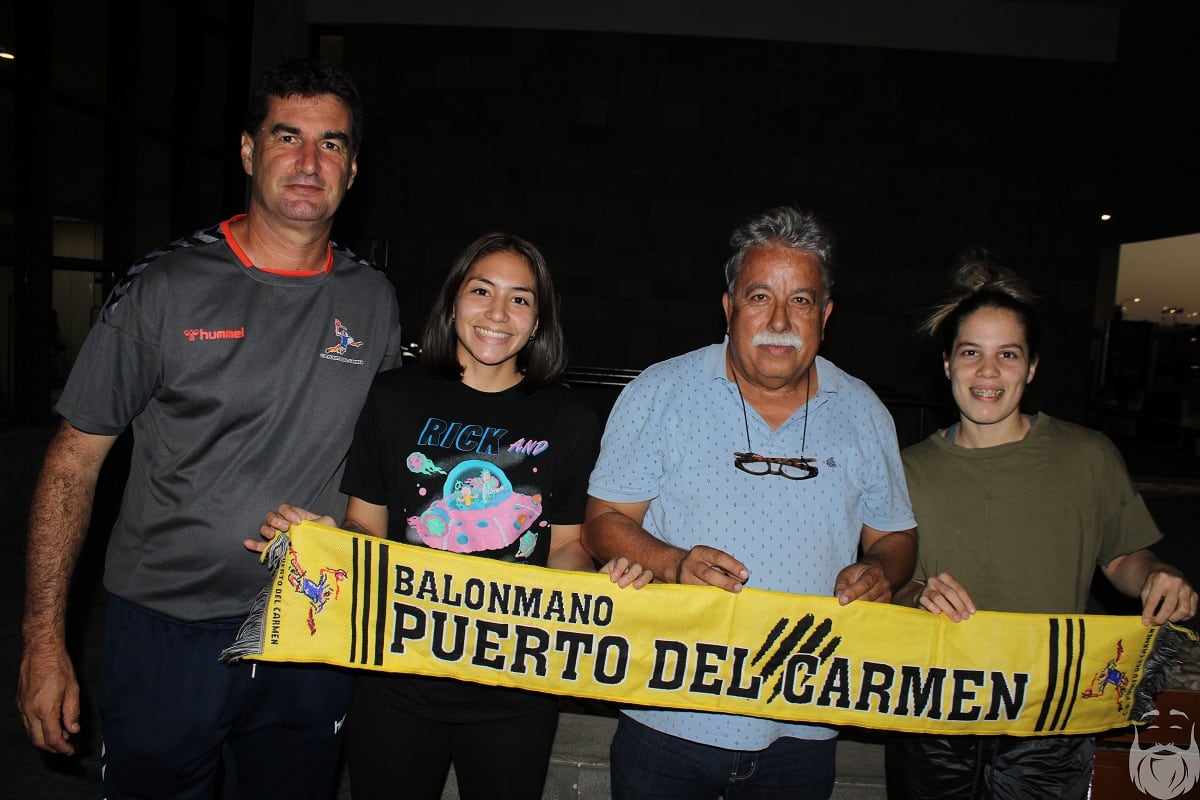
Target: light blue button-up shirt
670,439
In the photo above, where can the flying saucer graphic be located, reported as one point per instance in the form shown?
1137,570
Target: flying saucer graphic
478,511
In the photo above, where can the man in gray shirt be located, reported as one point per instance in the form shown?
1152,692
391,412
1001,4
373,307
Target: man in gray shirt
240,355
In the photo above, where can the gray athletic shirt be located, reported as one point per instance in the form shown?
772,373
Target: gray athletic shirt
243,387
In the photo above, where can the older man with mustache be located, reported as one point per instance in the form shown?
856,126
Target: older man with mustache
757,462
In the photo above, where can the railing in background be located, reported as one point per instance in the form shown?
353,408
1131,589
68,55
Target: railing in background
599,376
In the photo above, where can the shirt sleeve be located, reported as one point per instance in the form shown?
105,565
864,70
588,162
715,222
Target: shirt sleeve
395,348
367,464
631,463
885,501
1128,525
583,449
119,367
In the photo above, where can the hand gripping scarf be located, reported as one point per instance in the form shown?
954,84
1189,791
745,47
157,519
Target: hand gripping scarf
357,601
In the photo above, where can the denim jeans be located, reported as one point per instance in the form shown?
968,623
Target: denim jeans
650,765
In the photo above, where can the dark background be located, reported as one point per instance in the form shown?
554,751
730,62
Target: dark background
629,158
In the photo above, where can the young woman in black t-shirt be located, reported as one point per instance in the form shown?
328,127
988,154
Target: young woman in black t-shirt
478,449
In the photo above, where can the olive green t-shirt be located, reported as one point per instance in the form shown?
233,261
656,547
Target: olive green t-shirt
1023,525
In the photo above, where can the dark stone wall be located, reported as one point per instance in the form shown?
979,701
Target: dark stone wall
630,158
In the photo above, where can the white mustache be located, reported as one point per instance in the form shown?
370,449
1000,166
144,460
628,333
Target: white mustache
777,340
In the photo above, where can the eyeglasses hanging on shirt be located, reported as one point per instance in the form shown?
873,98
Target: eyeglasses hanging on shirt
794,469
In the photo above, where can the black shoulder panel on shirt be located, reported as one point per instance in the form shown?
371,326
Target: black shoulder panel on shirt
206,236
346,252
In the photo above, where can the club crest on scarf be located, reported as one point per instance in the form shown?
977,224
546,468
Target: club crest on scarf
318,592
1111,675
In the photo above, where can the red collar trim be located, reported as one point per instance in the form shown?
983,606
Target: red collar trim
248,264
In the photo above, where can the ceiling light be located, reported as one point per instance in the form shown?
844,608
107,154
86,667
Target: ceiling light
6,54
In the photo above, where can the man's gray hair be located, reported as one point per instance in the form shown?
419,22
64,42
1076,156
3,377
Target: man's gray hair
790,227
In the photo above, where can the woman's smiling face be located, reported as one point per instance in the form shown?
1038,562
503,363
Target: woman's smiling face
495,313
989,368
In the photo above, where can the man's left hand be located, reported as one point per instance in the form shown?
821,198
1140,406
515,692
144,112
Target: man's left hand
862,582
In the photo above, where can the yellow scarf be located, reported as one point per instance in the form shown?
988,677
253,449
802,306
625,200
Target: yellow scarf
357,601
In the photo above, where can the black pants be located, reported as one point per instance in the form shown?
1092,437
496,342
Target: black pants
393,753
923,767
173,715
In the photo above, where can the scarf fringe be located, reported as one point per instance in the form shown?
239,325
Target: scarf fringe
251,636
1162,663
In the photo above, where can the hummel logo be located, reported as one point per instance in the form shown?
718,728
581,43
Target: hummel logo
200,334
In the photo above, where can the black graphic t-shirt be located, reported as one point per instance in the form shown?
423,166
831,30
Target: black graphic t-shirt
485,474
